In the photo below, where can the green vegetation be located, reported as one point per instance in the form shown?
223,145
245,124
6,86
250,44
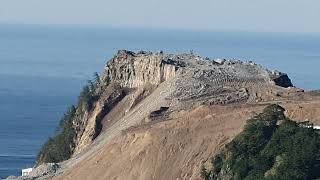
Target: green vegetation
60,147
265,150
88,96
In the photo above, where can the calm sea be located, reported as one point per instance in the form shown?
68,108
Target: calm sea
42,69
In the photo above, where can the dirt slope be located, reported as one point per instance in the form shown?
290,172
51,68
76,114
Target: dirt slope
176,148
173,149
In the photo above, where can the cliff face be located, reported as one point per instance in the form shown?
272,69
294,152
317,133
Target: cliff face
126,74
136,70
141,89
90,124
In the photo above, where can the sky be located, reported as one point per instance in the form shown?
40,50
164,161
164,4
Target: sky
300,16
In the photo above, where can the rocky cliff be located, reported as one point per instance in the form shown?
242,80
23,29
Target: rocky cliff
139,90
133,70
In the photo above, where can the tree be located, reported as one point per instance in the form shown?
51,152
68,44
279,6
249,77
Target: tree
60,147
265,150
96,78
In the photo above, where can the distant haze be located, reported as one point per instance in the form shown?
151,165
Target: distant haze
248,15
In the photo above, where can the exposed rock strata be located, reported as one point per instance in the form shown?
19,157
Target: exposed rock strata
135,70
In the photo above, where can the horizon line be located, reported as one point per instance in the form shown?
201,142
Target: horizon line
100,26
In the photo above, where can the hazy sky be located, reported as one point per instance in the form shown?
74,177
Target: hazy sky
250,15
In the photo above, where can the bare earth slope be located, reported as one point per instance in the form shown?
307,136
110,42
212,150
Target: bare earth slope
172,149
175,149
177,112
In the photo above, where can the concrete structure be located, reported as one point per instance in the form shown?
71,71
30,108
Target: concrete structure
25,172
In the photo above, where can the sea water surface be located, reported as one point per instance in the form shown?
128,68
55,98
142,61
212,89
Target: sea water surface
42,70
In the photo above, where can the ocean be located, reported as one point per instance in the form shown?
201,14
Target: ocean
42,70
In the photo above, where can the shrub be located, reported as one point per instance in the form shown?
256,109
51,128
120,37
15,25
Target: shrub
60,147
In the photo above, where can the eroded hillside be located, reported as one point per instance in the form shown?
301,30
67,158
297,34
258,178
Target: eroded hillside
161,116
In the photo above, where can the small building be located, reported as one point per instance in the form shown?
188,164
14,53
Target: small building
26,172
316,127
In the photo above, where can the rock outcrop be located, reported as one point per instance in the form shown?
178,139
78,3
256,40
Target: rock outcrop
198,81
281,79
133,70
